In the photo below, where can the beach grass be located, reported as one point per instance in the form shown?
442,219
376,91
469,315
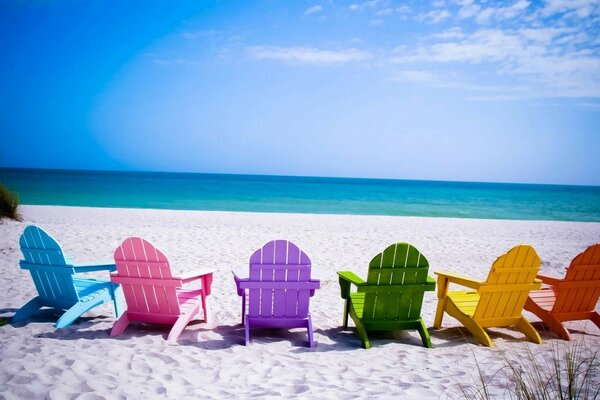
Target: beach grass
9,202
570,371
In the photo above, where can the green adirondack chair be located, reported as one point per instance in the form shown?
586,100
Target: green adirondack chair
392,296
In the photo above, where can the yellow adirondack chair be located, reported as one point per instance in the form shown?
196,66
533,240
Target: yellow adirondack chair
497,302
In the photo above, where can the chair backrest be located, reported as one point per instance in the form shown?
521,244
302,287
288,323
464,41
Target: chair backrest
43,257
276,262
508,284
394,289
580,289
145,275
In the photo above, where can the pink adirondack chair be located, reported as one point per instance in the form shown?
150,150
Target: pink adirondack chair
279,288
152,293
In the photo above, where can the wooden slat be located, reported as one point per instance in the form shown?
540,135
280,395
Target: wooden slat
509,281
278,282
146,278
44,258
395,284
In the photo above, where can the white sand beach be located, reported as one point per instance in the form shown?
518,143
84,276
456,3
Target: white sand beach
210,360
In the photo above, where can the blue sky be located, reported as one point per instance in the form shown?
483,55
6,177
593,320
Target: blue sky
504,91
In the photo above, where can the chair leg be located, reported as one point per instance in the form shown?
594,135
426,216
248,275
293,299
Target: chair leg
119,301
439,314
424,334
247,328
528,330
27,310
204,307
595,318
346,305
469,323
548,319
243,306
120,325
360,328
75,312
310,332
180,325
442,295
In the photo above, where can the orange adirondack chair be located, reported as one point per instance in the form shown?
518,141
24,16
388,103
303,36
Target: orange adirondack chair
571,298
497,302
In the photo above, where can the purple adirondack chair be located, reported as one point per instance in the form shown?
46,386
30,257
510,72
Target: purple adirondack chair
152,293
279,288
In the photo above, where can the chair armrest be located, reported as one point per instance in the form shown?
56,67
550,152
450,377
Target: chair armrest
206,275
107,266
430,283
445,278
350,277
346,279
548,280
318,286
238,280
192,276
459,280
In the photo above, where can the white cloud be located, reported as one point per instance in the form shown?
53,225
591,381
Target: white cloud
484,15
404,9
467,9
313,10
364,5
484,45
572,8
434,16
543,35
529,55
453,33
307,55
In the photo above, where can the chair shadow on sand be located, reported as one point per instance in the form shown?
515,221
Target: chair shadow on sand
458,335
330,339
50,315
347,339
84,329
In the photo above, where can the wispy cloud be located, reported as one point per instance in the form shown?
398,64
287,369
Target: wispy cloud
307,55
484,15
552,48
313,10
527,53
365,5
571,8
434,16
449,80
403,9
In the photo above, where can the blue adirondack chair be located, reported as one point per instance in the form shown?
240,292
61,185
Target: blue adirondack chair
55,281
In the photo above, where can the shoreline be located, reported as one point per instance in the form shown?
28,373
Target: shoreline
301,213
211,360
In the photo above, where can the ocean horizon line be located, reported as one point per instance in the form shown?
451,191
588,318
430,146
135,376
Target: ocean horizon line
283,176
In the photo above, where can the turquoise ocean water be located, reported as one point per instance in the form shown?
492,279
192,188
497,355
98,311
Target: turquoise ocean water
304,194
